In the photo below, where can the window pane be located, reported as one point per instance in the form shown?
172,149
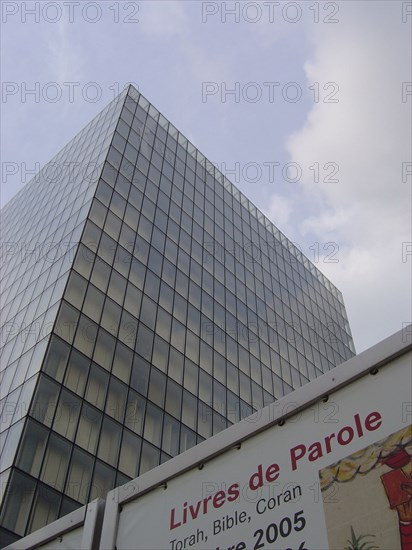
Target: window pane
32,448
133,300
122,363
171,435
116,399
135,409
103,352
56,462
117,287
103,480
66,322
150,457
187,439
140,375
101,274
173,399
157,387
176,361
109,441
130,454
89,427
189,409
93,303
160,354
111,316
8,451
97,386
76,289
191,376
85,336
67,414
45,401
80,472
163,324
77,372
205,387
148,312
204,422
153,424
45,507
56,358
144,342
84,261
18,502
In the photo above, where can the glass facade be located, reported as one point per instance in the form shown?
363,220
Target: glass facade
175,310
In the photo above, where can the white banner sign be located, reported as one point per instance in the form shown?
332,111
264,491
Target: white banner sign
336,475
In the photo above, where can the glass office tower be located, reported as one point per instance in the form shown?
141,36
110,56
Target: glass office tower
146,305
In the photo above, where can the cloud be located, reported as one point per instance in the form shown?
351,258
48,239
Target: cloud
163,19
367,133
329,222
279,211
66,60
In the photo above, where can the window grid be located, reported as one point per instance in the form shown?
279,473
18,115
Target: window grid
178,310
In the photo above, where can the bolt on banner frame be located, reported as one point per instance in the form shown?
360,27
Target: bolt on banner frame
198,499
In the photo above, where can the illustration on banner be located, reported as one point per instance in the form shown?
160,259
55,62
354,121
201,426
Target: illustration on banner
371,493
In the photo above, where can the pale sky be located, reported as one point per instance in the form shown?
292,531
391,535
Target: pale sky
306,106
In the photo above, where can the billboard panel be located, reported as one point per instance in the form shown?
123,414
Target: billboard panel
337,474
